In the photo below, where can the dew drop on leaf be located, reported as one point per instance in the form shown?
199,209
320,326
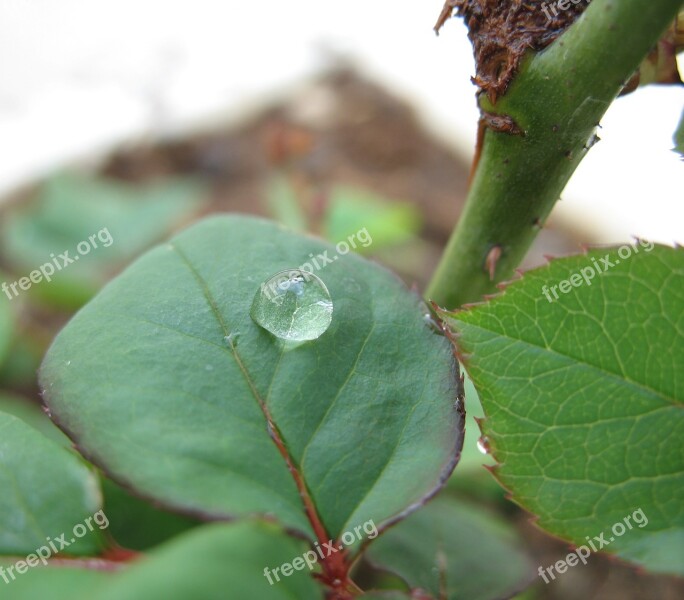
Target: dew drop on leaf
293,305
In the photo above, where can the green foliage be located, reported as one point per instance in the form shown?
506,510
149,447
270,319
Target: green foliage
32,414
47,490
284,205
166,382
352,209
455,552
349,210
168,359
70,208
22,360
215,562
583,396
137,524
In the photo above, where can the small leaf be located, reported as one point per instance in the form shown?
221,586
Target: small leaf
169,385
284,204
218,561
47,491
452,550
225,561
352,210
123,219
583,397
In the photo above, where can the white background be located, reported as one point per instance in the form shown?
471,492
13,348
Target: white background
79,76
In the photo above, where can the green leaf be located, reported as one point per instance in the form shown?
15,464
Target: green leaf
353,210
124,219
22,360
214,562
32,414
583,396
284,204
136,524
54,583
452,550
219,561
47,491
165,381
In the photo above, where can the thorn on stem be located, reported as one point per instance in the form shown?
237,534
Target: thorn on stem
491,261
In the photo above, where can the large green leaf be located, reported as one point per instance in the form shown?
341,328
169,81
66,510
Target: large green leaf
46,492
454,552
123,220
164,380
215,562
583,397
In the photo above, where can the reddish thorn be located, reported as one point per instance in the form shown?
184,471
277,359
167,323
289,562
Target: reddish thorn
491,261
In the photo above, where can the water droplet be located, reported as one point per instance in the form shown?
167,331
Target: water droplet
293,305
483,445
209,368
68,363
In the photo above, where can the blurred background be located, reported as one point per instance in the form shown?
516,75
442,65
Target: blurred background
329,117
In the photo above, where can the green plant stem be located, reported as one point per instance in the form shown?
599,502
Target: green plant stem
557,99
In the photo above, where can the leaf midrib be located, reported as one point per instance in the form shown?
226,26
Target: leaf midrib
260,401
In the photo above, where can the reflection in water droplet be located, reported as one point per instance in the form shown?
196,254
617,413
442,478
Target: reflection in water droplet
483,445
293,305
